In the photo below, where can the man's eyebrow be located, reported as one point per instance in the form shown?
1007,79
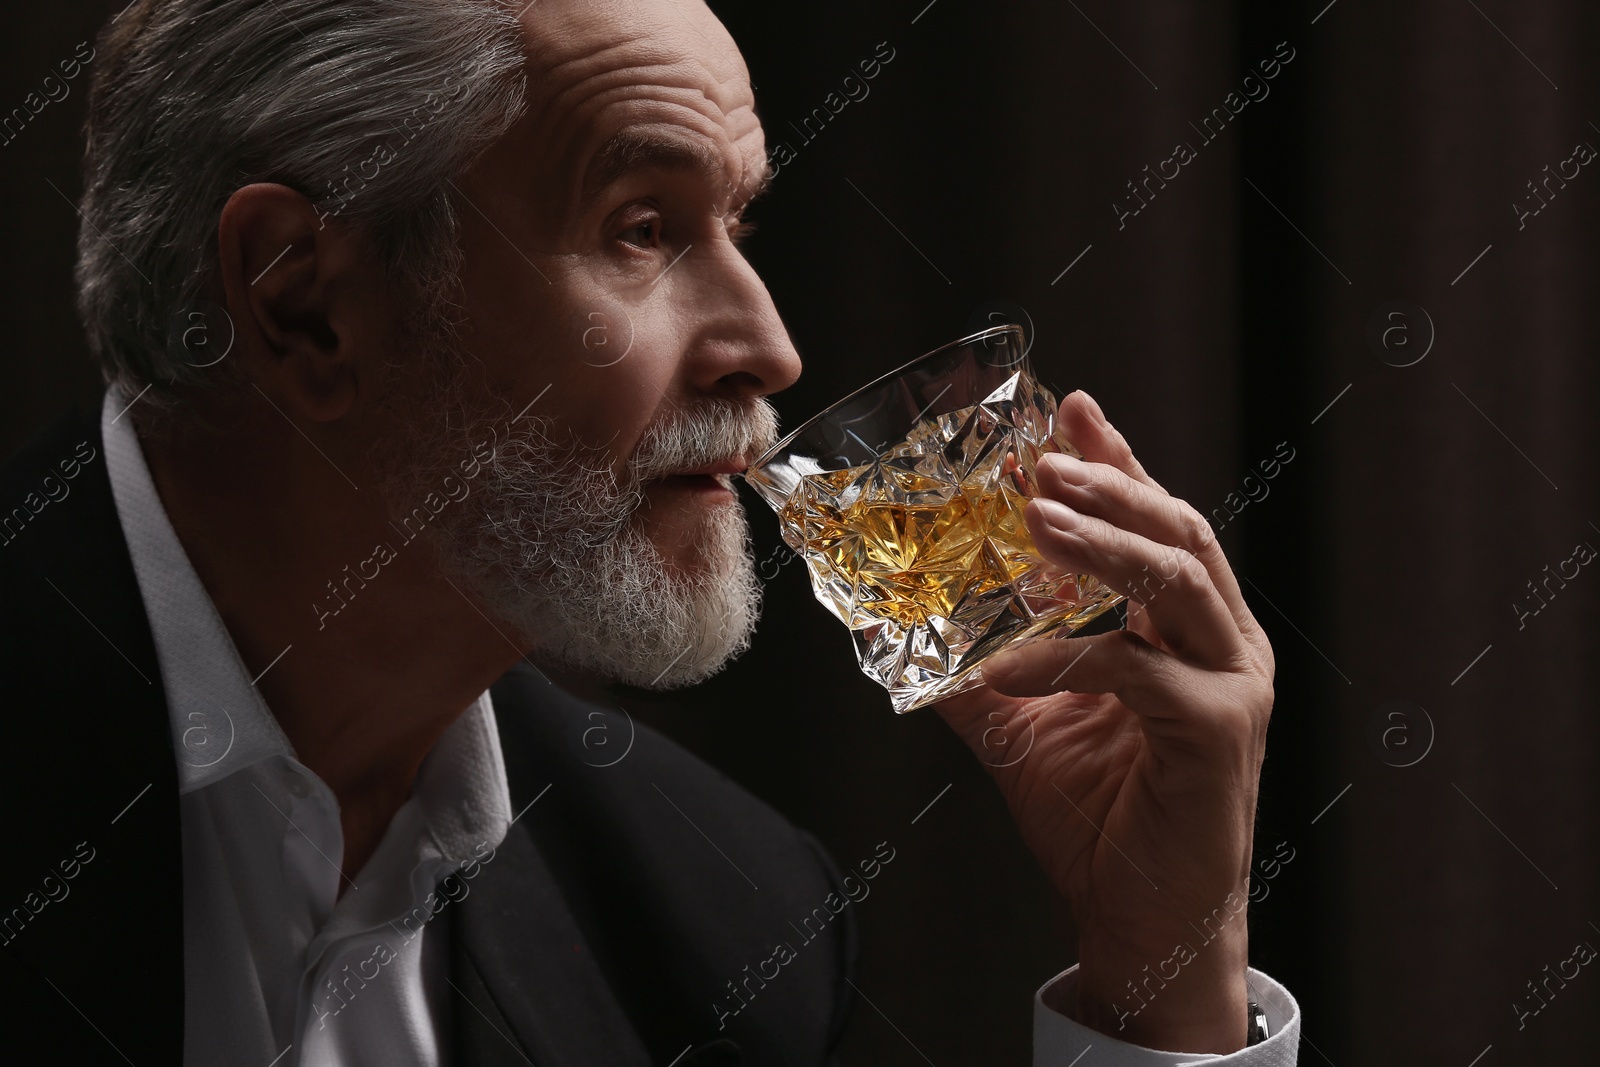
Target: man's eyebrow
630,151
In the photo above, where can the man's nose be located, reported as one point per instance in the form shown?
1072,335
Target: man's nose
741,346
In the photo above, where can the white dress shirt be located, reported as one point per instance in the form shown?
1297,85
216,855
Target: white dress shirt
279,968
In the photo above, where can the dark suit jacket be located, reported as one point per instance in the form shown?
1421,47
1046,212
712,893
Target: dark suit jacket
608,928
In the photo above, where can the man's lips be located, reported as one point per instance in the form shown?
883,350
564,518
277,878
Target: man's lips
732,465
697,481
713,479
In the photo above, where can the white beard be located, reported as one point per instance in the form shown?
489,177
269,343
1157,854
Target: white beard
548,539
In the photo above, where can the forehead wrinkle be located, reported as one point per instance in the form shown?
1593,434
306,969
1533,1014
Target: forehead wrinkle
669,126
586,89
637,38
638,64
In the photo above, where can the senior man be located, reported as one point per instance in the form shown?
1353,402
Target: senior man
294,796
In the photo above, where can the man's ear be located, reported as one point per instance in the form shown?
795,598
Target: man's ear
301,290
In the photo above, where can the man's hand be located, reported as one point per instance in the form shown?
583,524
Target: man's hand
1131,759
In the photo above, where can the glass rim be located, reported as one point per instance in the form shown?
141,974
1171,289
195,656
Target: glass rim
982,335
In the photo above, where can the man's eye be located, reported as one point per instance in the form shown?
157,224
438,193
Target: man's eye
644,234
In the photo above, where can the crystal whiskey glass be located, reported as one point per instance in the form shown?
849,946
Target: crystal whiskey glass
905,501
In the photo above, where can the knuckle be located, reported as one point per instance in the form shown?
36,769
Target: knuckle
1197,533
1266,659
1094,486
1246,664
1241,721
1126,644
1248,738
1191,574
1260,714
1107,479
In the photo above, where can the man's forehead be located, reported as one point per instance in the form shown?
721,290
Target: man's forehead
615,87
564,37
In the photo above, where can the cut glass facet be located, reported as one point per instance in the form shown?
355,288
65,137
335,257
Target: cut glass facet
923,553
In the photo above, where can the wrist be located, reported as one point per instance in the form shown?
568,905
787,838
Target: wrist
1188,997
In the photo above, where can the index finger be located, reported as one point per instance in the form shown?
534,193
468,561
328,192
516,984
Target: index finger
1082,422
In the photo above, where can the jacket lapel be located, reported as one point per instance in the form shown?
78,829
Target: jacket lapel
85,697
482,1036
521,970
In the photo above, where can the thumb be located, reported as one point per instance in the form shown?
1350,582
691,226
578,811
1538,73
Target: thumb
1102,663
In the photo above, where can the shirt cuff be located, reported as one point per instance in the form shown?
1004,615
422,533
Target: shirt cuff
1062,1042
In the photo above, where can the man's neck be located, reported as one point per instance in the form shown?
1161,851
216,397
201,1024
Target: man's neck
365,656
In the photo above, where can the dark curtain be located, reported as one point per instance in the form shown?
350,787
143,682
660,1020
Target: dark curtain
1450,486
1335,324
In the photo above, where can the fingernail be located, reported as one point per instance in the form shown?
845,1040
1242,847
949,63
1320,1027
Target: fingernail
1068,468
1094,408
1001,662
1011,655
1056,513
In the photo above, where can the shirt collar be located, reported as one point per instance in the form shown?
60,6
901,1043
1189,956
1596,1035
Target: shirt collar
219,722
461,786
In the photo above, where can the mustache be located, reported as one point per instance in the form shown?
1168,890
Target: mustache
705,432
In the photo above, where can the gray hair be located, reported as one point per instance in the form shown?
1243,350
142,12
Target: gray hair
368,108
